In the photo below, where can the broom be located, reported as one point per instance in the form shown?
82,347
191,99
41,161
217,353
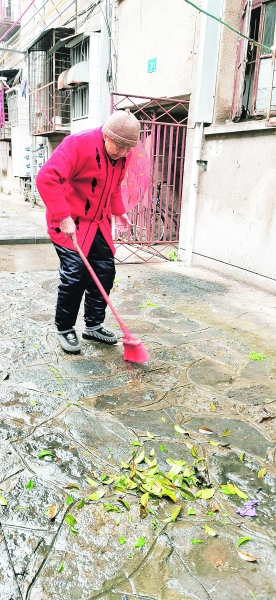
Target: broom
134,351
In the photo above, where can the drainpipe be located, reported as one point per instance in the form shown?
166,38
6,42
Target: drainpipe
193,193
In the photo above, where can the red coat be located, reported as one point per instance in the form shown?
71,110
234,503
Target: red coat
79,181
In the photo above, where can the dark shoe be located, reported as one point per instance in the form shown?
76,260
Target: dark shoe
69,341
99,334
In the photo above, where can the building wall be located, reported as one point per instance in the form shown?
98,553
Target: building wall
158,29
235,222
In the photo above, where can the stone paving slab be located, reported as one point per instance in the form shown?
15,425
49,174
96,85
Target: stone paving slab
90,414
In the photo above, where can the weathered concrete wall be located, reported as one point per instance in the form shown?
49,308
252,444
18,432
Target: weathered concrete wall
236,210
227,62
155,29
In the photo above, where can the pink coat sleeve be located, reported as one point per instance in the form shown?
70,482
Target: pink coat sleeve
59,168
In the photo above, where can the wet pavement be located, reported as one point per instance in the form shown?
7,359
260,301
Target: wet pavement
103,462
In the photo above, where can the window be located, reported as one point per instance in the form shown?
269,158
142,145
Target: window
80,93
80,101
253,67
12,108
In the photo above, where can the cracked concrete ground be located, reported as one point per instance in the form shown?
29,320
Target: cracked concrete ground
87,412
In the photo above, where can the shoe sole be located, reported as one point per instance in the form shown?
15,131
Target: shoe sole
93,339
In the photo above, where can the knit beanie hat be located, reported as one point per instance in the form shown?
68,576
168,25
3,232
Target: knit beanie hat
122,127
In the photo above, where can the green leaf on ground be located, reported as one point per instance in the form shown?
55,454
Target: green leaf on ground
136,443
241,456
43,453
163,448
70,520
256,356
92,482
174,515
262,473
29,485
242,540
163,419
196,542
191,511
69,500
179,429
3,501
122,540
205,494
150,435
226,433
97,495
210,531
140,542
81,503
61,567
214,443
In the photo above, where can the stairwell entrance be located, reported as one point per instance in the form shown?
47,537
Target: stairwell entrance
154,234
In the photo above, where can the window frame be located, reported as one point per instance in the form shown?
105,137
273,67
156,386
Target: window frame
241,61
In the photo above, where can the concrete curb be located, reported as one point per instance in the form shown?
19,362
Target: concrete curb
10,240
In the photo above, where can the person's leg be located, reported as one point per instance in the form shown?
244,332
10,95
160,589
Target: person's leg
102,262
70,291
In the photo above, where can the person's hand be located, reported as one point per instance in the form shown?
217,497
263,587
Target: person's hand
68,227
125,219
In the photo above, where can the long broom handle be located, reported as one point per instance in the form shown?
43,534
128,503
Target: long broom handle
102,290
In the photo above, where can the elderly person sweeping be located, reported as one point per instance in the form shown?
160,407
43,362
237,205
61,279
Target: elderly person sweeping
81,187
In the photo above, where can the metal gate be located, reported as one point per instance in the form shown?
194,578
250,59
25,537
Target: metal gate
154,233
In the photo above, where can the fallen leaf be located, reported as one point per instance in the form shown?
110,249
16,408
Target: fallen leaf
205,494
140,542
3,501
242,540
191,511
219,563
52,511
195,542
92,482
163,419
125,503
247,557
72,486
122,540
136,443
213,406
163,448
70,520
262,472
150,435
241,456
43,453
203,429
29,485
144,499
179,429
226,433
61,567
69,500
81,503
214,443
152,452
97,495
210,531
174,515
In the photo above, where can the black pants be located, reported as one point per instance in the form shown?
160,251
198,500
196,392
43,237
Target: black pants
75,280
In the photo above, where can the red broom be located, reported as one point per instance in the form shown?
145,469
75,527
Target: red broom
134,351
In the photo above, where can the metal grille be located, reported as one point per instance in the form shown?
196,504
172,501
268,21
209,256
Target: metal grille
155,229
13,107
49,107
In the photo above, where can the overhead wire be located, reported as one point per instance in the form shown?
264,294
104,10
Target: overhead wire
37,24
205,12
